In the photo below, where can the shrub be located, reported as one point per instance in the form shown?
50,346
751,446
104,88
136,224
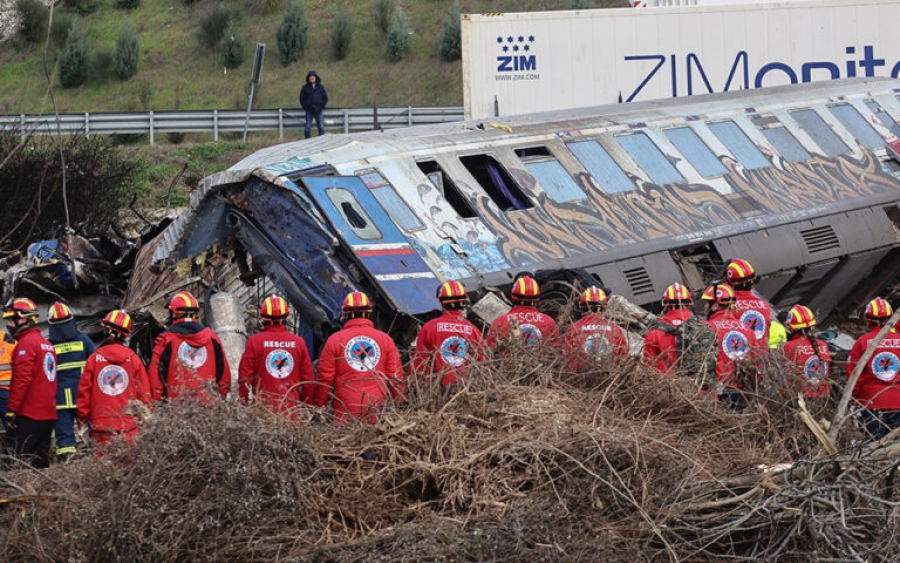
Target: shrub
399,38
342,32
74,60
451,37
128,52
59,29
33,23
127,4
213,26
292,34
384,9
102,63
145,91
232,48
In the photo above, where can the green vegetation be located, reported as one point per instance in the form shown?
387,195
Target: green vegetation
399,37
341,32
231,48
128,52
292,33
74,61
451,38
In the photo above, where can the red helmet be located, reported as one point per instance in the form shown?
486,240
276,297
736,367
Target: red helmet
117,321
356,302
878,310
451,292
274,308
21,307
183,304
800,317
676,294
592,297
739,271
59,313
721,293
525,289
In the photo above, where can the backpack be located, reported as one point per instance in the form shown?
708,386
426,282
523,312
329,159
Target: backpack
696,350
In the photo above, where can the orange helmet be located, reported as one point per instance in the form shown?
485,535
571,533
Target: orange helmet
356,302
117,321
676,294
452,292
593,297
59,313
525,289
20,307
878,310
739,271
183,304
274,308
721,293
800,317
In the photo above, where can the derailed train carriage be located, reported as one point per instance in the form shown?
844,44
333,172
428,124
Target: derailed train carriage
802,181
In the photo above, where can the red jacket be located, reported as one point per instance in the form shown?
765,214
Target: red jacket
112,376
878,386
659,345
362,367
184,358
813,368
594,337
447,345
276,366
536,327
755,314
735,343
32,391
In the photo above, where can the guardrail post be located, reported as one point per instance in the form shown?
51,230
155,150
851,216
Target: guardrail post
345,115
280,123
151,128
215,125
409,119
22,126
87,125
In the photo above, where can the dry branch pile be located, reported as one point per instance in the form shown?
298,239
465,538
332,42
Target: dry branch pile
524,461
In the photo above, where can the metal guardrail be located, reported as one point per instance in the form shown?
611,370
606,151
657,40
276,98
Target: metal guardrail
226,121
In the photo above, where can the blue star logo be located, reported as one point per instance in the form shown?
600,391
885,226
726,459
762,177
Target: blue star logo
499,40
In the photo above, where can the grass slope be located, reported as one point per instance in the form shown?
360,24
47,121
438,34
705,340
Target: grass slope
177,72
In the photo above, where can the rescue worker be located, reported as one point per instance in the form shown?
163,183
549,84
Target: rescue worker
276,368
754,311
523,321
360,366
449,344
594,337
659,344
808,353
7,343
73,348
31,412
878,386
114,378
188,355
735,341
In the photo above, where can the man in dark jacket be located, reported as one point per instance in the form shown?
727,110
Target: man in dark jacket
313,99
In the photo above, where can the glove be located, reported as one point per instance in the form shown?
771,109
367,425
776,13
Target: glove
10,421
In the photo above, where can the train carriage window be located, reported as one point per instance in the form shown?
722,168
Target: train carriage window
448,189
496,182
884,116
695,151
739,144
650,158
864,133
556,181
353,213
820,132
601,166
776,133
390,200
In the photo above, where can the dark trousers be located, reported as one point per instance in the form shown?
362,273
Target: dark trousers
31,441
880,422
65,431
320,123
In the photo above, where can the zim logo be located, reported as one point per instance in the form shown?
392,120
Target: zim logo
515,54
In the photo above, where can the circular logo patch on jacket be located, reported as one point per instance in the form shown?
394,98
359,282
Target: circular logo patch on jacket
885,366
754,321
112,380
362,353
190,356
453,351
279,364
735,345
50,367
531,334
596,344
814,369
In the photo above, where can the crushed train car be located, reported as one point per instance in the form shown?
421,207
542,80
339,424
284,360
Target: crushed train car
803,181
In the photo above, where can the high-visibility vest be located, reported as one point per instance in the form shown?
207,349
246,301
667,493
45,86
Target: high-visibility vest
6,350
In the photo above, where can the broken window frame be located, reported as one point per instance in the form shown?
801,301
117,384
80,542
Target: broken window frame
445,185
500,186
392,202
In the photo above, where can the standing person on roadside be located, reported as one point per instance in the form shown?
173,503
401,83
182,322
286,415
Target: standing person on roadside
114,376
188,355
660,342
73,348
594,337
359,366
276,368
878,386
808,353
736,343
523,324
754,310
447,345
313,100
31,412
